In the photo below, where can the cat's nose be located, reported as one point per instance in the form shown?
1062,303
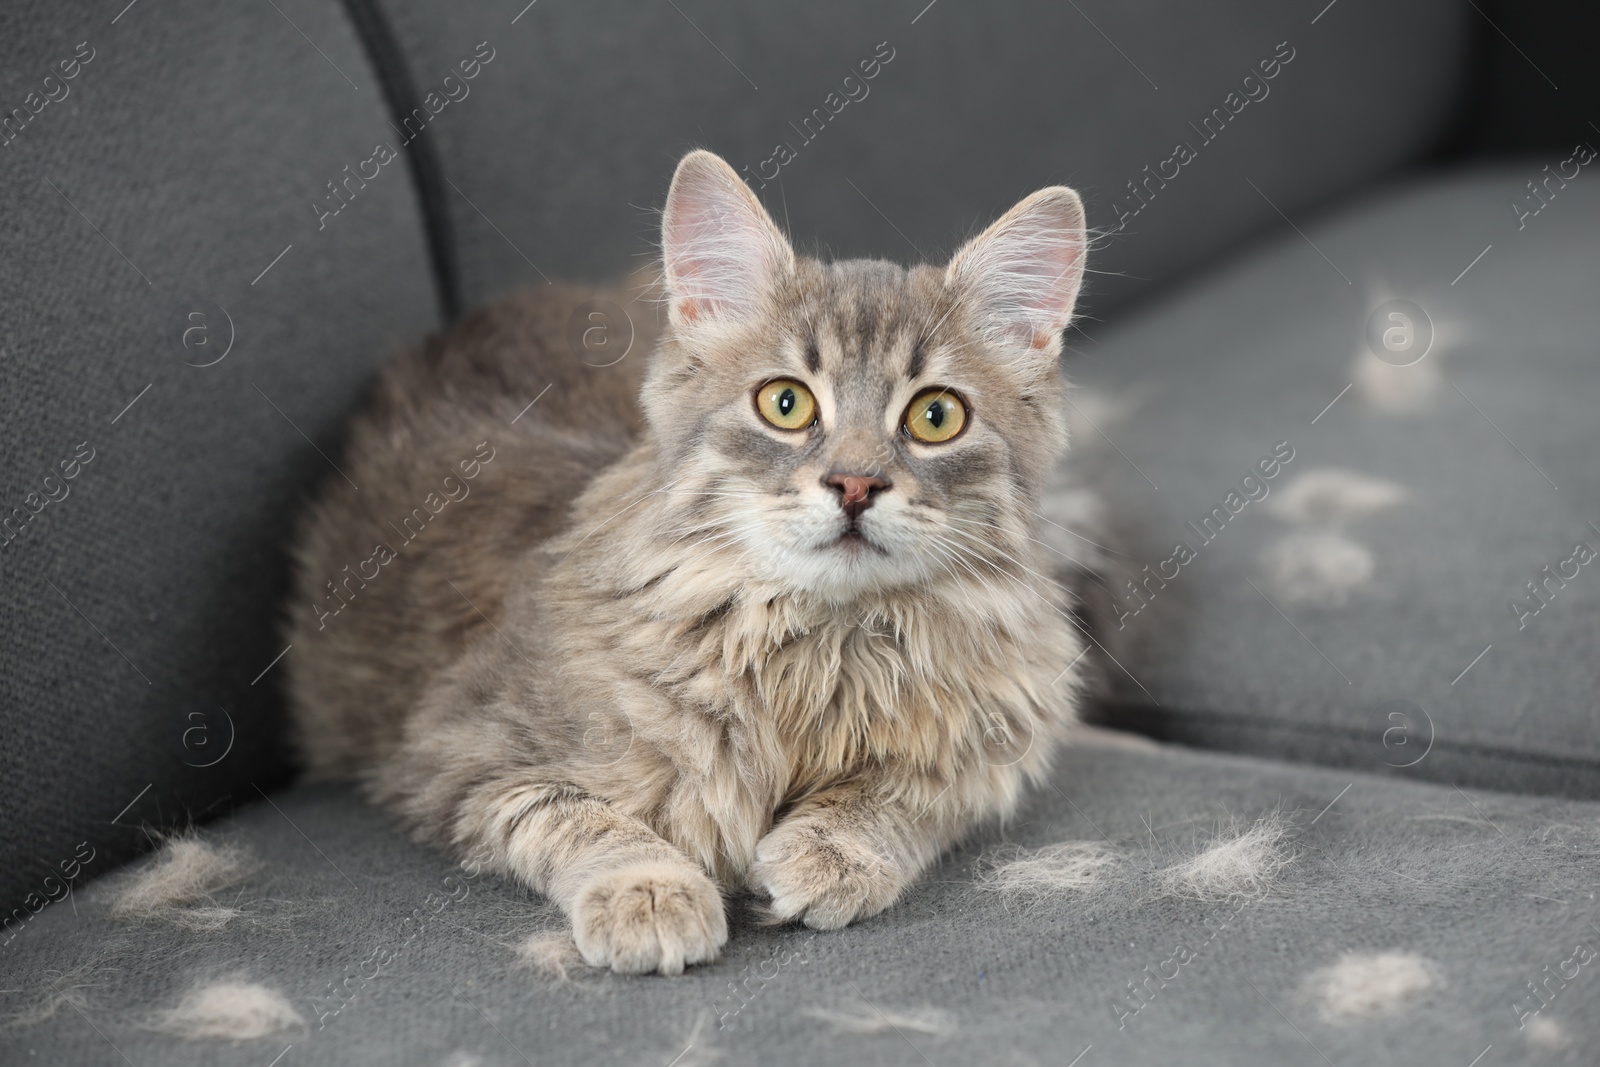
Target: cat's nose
855,490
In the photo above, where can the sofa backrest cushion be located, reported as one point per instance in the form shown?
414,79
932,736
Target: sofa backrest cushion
181,338
885,130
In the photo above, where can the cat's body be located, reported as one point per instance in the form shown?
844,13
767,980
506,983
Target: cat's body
641,636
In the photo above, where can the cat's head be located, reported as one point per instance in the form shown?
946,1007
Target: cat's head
856,426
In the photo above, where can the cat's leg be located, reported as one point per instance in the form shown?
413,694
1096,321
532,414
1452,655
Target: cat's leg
850,851
487,770
637,903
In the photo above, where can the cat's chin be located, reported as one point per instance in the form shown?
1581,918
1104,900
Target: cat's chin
852,565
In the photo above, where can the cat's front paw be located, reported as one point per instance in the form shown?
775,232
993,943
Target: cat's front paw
650,917
824,876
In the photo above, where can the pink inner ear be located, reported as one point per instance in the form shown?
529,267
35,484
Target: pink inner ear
1025,269
722,251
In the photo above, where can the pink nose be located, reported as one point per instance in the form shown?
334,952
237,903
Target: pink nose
855,490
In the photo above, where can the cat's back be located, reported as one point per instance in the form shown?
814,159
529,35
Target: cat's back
468,454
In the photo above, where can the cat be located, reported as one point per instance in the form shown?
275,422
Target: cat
765,610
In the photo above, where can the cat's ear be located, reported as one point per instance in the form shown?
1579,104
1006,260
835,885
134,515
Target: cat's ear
722,253
1021,275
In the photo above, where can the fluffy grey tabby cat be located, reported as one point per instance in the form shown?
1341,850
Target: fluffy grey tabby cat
765,609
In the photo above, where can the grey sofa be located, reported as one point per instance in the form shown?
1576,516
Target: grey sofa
1387,648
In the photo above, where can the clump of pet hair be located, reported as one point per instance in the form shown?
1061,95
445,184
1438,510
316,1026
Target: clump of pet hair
1364,985
1547,1035
1332,495
231,1008
1396,390
1319,568
1033,874
187,870
1242,862
552,953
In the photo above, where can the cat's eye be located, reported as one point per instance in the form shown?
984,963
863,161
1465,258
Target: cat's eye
935,416
786,404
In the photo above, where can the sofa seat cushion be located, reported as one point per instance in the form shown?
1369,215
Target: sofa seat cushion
391,954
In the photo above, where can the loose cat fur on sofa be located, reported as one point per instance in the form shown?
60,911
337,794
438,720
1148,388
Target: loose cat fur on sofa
766,610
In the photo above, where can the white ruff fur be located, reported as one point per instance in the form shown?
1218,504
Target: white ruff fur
955,679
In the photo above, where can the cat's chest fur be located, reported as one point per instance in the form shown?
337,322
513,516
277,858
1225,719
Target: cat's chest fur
739,706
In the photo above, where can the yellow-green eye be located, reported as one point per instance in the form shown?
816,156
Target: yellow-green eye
935,416
786,404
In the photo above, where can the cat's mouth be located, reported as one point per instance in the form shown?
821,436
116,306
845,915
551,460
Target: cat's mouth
853,539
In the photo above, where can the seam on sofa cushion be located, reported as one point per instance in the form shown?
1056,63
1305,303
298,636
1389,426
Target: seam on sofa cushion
398,90
1198,729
